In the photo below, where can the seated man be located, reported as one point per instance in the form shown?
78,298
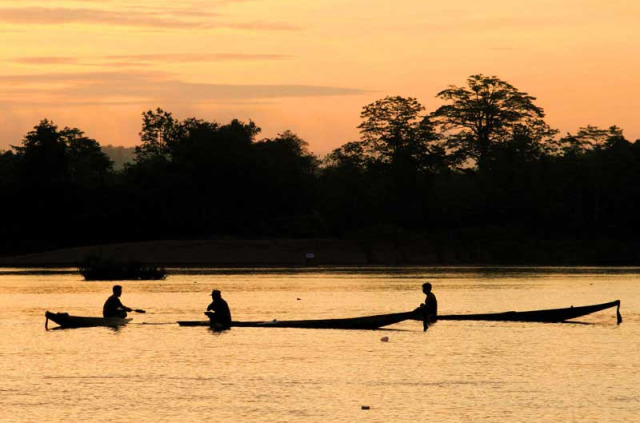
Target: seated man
430,306
218,311
113,307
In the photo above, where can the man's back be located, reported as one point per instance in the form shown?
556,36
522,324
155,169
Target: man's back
112,307
222,312
431,306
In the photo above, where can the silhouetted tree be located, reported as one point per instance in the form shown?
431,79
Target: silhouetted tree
395,131
55,155
285,185
160,131
485,113
478,181
387,172
59,185
590,138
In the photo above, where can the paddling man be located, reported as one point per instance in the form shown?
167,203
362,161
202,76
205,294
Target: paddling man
113,307
218,311
430,306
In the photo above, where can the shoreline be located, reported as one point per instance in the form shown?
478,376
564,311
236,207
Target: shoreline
329,252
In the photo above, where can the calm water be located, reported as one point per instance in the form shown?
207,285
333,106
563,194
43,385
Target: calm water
455,372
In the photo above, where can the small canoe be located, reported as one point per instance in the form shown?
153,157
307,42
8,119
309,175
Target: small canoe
64,320
554,315
359,323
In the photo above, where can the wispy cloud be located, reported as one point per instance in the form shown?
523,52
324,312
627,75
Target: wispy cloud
46,60
147,87
195,57
152,18
149,59
57,16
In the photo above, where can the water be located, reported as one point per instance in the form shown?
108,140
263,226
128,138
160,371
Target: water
455,372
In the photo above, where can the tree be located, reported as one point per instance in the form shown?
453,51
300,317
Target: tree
384,178
351,155
488,112
166,139
160,131
197,162
285,185
395,131
590,138
53,156
59,187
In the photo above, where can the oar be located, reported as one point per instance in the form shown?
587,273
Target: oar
139,310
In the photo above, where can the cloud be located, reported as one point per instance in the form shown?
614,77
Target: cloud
197,57
129,60
44,60
174,19
80,77
504,48
147,87
57,16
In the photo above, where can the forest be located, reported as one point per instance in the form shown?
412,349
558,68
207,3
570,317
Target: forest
482,177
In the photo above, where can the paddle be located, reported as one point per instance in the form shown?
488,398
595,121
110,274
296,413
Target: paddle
138,310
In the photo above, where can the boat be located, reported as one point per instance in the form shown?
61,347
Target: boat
554,315
64,320
375,322
361,323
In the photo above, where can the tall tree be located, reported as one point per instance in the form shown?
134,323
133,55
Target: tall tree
160,131
396,131
487,112
59,185
387,173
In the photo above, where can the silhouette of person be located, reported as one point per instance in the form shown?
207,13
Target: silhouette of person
218,311
430,306
113,307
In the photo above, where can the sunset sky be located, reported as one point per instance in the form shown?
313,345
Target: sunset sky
304,65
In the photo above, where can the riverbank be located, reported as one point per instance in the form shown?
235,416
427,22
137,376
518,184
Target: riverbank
240,253
335,252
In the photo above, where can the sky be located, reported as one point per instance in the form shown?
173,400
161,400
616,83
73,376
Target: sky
307,65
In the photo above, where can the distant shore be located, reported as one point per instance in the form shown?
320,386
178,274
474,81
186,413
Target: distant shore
335,252
216,253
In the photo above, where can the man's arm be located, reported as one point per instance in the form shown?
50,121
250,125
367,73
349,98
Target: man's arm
123,307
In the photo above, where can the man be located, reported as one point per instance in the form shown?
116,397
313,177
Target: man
218,311
430,306
113,307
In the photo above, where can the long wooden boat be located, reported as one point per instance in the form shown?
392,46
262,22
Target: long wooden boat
64,320
554,315
381,320
361,323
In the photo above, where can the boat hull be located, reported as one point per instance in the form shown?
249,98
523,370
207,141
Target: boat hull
544,316
64,320
354,323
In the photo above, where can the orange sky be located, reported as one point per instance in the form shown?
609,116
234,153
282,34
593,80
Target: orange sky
306,65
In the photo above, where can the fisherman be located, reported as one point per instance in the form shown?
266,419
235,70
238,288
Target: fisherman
430,307
218,311
113,307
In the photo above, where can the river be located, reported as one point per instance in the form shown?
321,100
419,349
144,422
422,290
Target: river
153,370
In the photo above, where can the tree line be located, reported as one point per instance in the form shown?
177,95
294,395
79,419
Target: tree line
482,179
